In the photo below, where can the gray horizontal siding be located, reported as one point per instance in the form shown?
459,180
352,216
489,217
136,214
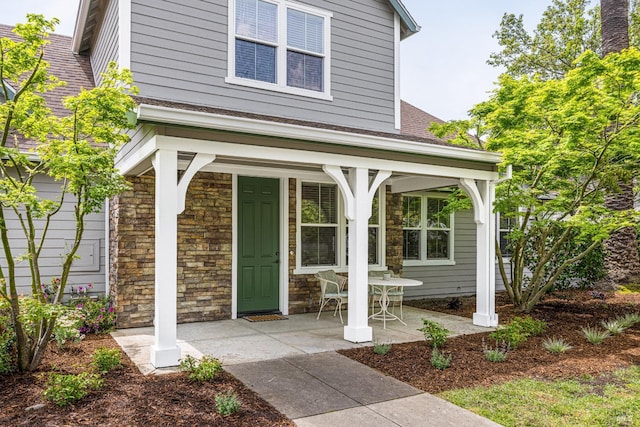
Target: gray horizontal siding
106,45
451,280
60,234
137,136
179,53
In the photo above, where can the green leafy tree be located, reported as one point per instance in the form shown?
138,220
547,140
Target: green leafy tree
77,151
569,140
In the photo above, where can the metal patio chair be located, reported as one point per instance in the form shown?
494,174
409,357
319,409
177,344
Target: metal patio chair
332,289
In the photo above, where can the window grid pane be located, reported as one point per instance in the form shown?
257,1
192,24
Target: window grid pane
434,218
305,31
411,244
304,71
257,19
319,204
437,244
255,61
411,211
318,245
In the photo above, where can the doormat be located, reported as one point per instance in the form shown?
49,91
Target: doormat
265,317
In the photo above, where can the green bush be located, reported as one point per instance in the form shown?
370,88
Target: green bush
8,352
614,327
556,345
204,369
105,360
434,333
67,329
498,354
439,359
97,315
629,319
63,389
227,403
381,348
518,330
594,335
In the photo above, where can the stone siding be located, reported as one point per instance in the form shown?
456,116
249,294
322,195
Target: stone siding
394,231
204,251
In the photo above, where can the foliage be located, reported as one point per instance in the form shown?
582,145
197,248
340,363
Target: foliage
77,151
204,369
629,319
434,333
439,359
497,354
518,330
556,345
7,340
63,389
614,327
573,402
97,315
594,335
227,403
381,348
105,360
67,329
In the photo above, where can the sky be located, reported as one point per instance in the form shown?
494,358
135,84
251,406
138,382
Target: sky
444,68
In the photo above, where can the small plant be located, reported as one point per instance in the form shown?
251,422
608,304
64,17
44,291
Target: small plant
498,354
556,345
63,389
439,359
434,333
204,369
66,329
8,351
629,319
381,348
614,327
594,335
518,330
97,315
227,403
105,360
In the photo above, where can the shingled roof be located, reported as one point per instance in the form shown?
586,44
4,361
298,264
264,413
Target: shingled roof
65,65
415,121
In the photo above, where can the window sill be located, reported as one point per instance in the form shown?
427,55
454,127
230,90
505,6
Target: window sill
278,88
434,262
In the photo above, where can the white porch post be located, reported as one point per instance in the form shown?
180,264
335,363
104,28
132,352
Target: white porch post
165,351
358,194
482,196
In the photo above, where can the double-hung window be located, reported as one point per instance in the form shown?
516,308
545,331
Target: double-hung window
427,231
280,45
323,229
506,225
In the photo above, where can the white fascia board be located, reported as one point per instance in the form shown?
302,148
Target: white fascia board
81,20
256,152
166,115
125,165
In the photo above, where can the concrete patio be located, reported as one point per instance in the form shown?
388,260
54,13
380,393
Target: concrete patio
240,341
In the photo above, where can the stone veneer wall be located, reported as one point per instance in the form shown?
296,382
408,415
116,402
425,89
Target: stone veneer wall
204,251
394,231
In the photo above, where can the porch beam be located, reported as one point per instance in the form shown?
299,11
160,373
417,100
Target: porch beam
165,351
420,183
289,155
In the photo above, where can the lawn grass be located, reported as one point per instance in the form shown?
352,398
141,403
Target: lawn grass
613,400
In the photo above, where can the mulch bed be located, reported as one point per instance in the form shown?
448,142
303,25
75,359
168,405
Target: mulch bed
128,398
566,313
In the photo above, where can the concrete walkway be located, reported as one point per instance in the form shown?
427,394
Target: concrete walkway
293,365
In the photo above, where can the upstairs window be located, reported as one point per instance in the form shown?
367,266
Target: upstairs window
279,45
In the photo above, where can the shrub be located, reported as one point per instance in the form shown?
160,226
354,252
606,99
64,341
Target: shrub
594,335
381,348
434,333
204,369
498,354
227,403
105,360
556,345
67,329
97,315
439,359
518,330
614,327
63,389
8,351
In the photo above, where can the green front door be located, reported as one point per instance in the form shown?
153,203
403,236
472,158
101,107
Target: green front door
258,244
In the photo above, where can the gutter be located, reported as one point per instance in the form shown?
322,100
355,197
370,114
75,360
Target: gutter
199,119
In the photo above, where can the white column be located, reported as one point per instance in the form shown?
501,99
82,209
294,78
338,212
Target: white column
165,351
485,314
357,328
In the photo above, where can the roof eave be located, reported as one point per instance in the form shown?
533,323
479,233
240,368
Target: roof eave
410,25
81,21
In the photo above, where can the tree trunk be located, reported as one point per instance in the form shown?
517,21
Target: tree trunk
621,249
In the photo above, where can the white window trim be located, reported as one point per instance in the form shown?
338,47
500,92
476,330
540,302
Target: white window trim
423,234
281,53
341,252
